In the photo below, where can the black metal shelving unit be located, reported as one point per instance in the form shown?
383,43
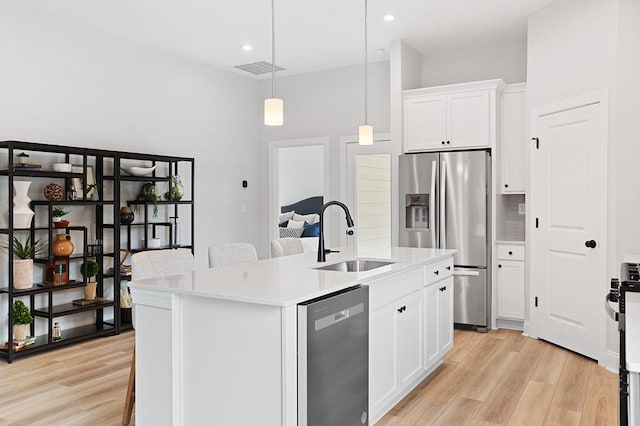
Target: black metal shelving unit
105,214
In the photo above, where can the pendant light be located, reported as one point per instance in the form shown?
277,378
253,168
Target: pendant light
365,131
273,107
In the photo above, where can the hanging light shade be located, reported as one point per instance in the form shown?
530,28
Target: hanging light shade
365,132
273,107
273,112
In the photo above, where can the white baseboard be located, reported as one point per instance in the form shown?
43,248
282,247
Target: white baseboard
612,361
509,324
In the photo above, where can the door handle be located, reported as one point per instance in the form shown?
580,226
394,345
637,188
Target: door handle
590,244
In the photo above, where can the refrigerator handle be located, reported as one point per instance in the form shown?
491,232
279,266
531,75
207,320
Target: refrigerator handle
432,204
443,210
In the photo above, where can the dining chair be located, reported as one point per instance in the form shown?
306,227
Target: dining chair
286,246
150,264
231,253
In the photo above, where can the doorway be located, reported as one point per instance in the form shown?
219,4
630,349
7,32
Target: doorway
369,192
568,228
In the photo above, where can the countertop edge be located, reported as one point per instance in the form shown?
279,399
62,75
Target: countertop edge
365,278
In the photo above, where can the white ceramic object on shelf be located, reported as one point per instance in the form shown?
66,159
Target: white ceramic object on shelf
138,171
22,214
22,273
62,167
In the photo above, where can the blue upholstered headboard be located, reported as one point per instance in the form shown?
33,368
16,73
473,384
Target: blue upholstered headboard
306,206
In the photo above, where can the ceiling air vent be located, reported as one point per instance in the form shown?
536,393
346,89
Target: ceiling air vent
258,68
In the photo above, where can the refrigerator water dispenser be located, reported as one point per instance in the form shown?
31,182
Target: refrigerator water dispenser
417,211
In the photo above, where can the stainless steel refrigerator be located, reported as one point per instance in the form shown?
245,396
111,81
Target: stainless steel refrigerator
444,201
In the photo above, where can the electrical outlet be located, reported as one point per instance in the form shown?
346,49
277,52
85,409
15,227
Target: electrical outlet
521,208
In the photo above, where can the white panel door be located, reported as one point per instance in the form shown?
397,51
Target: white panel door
432,328
468,119
513,144
425,122
511,289
410,337
569,180
445,322
382,355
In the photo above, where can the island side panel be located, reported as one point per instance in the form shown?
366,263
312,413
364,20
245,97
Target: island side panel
154,363
232,362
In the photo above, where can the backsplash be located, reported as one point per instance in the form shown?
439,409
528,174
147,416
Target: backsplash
510,224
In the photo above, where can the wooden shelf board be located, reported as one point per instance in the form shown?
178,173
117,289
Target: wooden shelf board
70,308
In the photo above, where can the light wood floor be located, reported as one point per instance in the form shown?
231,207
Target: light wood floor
503,378
497,378
82,384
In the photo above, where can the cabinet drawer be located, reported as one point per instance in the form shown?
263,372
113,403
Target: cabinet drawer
438,271
388,290
510,252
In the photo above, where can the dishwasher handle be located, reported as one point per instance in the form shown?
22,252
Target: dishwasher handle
336,317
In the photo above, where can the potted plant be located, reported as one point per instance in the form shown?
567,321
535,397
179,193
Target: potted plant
23,261
89,270
20,319
148,193
57,214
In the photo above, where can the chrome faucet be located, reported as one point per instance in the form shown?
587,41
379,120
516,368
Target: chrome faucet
321,250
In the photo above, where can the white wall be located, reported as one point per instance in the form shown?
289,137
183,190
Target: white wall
628,147
62,83
66,84
325,104
505,60
301,173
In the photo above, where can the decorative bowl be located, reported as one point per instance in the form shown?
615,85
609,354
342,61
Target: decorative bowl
62,167
138,171
53,192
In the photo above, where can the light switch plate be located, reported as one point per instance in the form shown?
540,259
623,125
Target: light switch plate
521,208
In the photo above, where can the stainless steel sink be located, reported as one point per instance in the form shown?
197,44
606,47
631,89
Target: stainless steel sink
357,265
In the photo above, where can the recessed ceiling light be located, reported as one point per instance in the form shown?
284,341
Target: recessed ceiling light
378,51
388,17
247,47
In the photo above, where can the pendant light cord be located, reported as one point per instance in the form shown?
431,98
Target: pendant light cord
273,50
366,60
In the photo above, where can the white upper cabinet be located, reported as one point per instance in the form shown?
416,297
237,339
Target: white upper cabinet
514,139
451,117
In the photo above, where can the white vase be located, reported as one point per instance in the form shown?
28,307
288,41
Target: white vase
22,274
22,214
20,331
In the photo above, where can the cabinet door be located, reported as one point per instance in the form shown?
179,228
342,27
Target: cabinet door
425,123
513,142
410,337
511,289
432,327
382,355
468,119
445,325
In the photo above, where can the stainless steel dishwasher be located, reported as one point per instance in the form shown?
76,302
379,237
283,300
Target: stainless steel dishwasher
333,359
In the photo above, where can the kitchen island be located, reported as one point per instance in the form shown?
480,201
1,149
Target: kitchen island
218,346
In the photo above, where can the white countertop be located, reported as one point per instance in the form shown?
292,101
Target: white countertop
289,280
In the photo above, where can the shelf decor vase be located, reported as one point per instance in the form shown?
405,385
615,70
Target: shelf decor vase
20,331
22,274
62,246
22,214
90,290
126,215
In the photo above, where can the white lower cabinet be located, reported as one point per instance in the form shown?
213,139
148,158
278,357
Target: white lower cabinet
438,321
510,282
396,339
402,324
